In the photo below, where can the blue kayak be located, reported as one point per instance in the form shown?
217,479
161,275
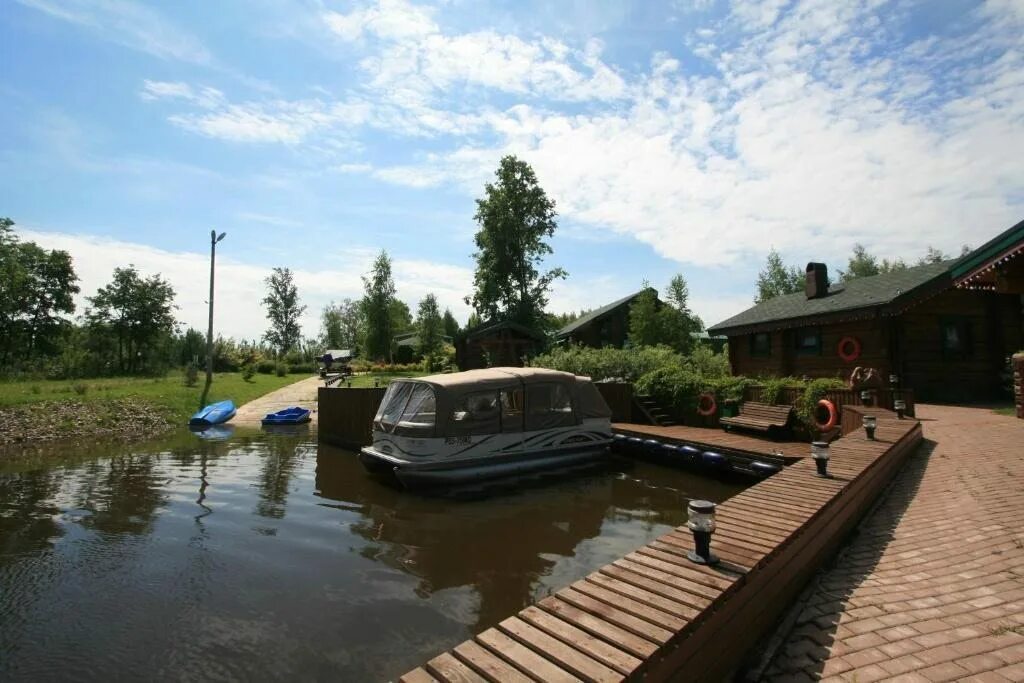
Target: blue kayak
289,416
213,414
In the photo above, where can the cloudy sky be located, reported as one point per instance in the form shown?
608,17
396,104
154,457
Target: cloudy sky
683,136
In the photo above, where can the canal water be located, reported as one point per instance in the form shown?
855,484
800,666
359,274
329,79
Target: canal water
267,556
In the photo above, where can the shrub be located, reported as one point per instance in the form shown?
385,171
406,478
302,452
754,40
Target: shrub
80,388
191,375
814,392
609,363
302,368
281,369
704,361
248,372
266,367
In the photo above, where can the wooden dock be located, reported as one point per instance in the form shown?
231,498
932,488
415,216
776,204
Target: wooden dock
655,614
710,439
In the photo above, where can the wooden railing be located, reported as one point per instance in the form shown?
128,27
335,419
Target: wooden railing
880,398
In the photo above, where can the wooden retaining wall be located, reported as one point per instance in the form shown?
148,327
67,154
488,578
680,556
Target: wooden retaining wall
619,397
346,415
656,615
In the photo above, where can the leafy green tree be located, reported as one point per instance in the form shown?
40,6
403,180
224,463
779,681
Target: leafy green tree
474,320
136,315
776,278
401,317
677,321
192,347
515,216
377,307
645,325
451,325
863,264
340,325
37,289
283,311
429,327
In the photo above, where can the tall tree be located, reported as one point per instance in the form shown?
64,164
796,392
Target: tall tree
137,314
283,311
451,325
37,287
340,325
645,325
429,326
678,322
776,278
515,216
376,305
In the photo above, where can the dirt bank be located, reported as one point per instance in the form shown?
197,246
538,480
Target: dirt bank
118,419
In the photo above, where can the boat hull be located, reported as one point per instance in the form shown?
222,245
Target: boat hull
289,416
213,414
482,468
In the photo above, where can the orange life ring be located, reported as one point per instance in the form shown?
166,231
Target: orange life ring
706,404
851,355
833,415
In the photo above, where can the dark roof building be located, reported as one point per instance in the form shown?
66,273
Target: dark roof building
496,344
605,326
944,329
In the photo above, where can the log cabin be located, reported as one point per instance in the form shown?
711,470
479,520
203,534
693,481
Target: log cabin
944,329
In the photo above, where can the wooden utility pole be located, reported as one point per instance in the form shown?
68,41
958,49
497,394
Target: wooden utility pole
214,238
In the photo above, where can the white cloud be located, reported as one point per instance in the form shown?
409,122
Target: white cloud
240,286
393,19
205,97
130,24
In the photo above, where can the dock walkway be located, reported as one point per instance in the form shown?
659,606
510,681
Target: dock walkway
302,393
719,440
655,614
932,588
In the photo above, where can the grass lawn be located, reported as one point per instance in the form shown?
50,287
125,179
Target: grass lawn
167,393
1010,410
367,380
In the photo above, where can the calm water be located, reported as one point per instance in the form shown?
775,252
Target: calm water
266,556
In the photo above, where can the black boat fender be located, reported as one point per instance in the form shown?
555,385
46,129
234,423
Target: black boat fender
714,461
764,469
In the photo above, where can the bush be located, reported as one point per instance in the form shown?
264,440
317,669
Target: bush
705,362
80,388
608,363
814,392
191,375
281,369
266,367
248,372
302,368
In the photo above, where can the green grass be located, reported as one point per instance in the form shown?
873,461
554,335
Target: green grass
168,393
1010,410
363,381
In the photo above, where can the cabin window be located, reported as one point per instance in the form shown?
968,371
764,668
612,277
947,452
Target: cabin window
808,341
956,338
548,405
476,413
420,413
393,405
761,344
511,410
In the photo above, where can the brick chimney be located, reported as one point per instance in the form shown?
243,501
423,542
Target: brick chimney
816,280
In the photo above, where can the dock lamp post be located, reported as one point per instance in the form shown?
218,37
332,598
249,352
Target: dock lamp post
214,238
820,453
701,521
865,397
900,406
870,422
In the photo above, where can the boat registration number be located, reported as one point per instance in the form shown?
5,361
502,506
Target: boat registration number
458,440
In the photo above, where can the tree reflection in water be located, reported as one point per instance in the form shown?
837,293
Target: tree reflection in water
500,546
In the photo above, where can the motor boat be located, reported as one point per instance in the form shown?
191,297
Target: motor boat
482,424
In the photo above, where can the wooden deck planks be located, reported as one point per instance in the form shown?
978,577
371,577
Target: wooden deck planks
631,615
711,439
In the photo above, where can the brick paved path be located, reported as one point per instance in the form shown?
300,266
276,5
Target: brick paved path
932,586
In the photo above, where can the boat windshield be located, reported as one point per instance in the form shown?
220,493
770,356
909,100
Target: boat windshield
392,405
420,412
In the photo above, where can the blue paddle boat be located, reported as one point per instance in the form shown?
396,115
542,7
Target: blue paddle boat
289,416
213,414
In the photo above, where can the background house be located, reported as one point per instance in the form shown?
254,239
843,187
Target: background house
945,329
496,344
606,326
407,347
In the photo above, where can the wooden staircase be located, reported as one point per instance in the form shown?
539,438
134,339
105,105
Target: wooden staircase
655,413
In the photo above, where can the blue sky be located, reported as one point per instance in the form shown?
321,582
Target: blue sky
686,136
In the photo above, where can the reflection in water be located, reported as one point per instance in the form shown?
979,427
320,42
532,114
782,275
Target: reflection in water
158,562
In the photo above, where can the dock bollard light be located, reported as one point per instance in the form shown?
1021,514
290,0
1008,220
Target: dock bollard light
819,451
865,396
894,379
870,422
701,521
900,406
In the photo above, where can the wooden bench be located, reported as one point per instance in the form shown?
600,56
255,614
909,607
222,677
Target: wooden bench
759,417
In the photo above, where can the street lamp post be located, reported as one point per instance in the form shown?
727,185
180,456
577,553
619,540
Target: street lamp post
214,238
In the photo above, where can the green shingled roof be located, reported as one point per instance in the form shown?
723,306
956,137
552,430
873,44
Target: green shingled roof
595,314
859,293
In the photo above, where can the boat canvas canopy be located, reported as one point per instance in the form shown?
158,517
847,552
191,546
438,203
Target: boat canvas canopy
488,402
